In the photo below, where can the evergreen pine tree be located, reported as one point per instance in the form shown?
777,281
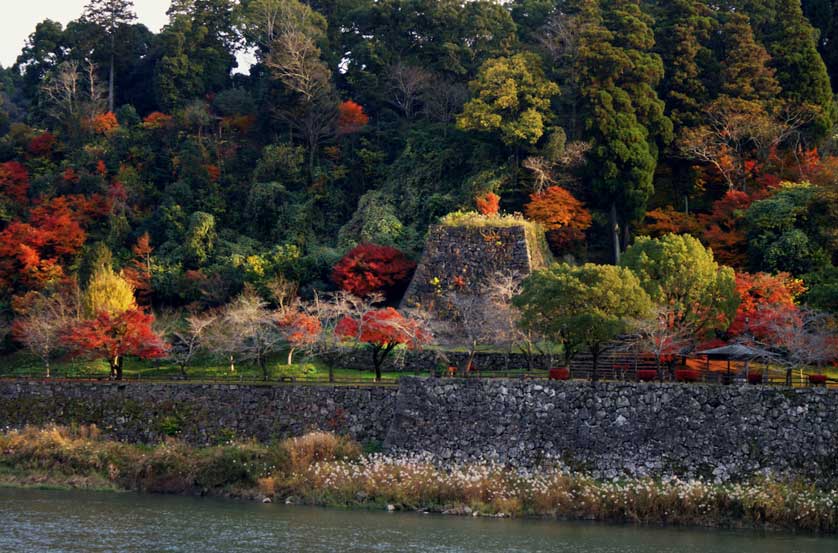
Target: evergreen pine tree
682,33
683,28
110,15
745,72
792,42
617,74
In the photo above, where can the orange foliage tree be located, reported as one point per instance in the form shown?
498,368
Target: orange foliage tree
114,336
157,120
351,117
370,268
563,216
723,231
22,261
138,271
104,123
488,204
382,330
668,220
32,253
764,299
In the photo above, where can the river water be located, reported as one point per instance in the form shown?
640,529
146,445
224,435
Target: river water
34,521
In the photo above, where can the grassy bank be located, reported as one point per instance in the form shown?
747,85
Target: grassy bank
324,469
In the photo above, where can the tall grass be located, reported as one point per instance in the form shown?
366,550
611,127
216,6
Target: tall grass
321,468
417,483
318,447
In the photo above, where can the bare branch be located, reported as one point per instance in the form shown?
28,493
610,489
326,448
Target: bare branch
406,85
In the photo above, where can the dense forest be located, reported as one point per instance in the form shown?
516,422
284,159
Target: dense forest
365,121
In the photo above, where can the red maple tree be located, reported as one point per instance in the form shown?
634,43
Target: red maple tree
70,175
382,330
488,204
42,145
371,268
213,171
32,253
299,329
62,219
112,337
764,299
723,231
351,117
14,182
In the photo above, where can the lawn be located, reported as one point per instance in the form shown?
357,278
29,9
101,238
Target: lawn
23,365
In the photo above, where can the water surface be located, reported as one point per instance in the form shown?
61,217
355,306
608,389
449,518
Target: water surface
74,522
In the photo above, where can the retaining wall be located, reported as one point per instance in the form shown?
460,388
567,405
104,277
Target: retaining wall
200,413
612,429
609,428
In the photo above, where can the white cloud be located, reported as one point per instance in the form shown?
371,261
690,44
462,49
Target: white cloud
18,22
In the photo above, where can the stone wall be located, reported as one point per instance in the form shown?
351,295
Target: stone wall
200,413
610,429
463,259
613,429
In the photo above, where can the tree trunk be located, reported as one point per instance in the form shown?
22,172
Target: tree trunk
515,164
110,80
264,366
626,236
470,359
232,364
119,360
376,363
615,233
529,356
46,361
291,356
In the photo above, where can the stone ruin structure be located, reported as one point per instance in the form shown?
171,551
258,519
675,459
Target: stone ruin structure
464,260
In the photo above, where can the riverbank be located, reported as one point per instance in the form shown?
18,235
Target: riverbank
327,470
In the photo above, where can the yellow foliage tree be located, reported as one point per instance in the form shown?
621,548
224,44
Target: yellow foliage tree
108,292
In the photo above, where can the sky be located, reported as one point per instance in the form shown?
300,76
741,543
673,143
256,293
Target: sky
20,17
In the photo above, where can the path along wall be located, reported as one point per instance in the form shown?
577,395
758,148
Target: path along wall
610,429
